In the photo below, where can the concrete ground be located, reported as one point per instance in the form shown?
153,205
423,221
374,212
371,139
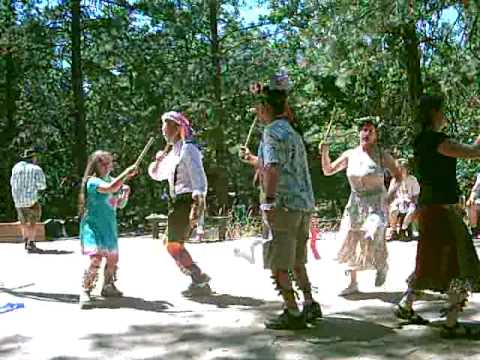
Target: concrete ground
154,321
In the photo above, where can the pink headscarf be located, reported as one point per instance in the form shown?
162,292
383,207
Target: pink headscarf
181,120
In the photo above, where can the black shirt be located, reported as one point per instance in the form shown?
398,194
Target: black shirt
437,173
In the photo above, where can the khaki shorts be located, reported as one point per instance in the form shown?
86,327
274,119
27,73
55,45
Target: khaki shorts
30,215
288,248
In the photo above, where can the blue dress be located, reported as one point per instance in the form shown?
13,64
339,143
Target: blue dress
98,227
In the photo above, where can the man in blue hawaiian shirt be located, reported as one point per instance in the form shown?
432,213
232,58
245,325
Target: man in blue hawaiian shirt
288,205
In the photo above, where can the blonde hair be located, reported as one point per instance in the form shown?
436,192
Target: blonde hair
92,169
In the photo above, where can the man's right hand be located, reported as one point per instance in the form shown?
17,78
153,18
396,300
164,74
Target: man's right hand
244,153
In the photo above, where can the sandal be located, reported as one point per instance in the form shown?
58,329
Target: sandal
409,315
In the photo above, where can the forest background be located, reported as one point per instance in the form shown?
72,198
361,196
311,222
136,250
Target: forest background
76,76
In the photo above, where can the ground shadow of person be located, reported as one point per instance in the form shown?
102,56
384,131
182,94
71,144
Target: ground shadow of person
41,296
50,252
225,300
127,302
333,329
390,297
469,330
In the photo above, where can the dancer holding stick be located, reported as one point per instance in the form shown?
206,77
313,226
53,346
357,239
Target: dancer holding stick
364,220
181,165
287,204
100,196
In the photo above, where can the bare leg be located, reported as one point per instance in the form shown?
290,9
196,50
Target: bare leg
303,281
394,220
25,234
185,263
284,286
353,278
408,218
32,233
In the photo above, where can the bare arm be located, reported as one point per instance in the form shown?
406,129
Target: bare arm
331,168
116,184
396,176
453,149
270,176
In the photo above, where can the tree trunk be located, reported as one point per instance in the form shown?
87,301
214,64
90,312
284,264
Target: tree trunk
80,128
221,184
414,72
11,94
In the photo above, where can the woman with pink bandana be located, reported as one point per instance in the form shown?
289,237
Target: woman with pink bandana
181,165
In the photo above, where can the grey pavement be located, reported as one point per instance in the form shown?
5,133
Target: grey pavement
154,321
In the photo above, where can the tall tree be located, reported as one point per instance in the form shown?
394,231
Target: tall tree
80,128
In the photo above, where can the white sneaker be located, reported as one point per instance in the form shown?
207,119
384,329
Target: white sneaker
349,290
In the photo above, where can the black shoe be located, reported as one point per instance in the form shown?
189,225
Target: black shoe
31,247
195,290
312,312
409,315
287,321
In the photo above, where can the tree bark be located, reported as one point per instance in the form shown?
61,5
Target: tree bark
11,94
80,128
414,72
221,184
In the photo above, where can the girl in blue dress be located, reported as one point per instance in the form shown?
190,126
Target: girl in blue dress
99,198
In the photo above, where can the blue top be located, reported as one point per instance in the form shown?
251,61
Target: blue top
98,227
283,146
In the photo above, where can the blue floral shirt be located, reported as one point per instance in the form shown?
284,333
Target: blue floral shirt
283,146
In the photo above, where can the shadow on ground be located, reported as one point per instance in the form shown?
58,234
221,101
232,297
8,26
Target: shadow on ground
225,300
127,302
391,297
11,344
42,296
51,252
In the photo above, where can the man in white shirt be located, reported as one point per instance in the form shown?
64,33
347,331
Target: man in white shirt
405,202
26,181
182,166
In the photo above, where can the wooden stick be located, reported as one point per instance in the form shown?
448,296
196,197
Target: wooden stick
144,151
254,122
329,127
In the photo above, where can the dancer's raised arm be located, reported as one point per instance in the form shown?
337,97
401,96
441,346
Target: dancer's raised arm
331,168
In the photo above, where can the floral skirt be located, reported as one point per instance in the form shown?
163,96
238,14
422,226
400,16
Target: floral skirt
363,229
445,251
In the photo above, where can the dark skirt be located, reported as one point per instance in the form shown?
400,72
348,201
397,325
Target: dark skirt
445,251
178,225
